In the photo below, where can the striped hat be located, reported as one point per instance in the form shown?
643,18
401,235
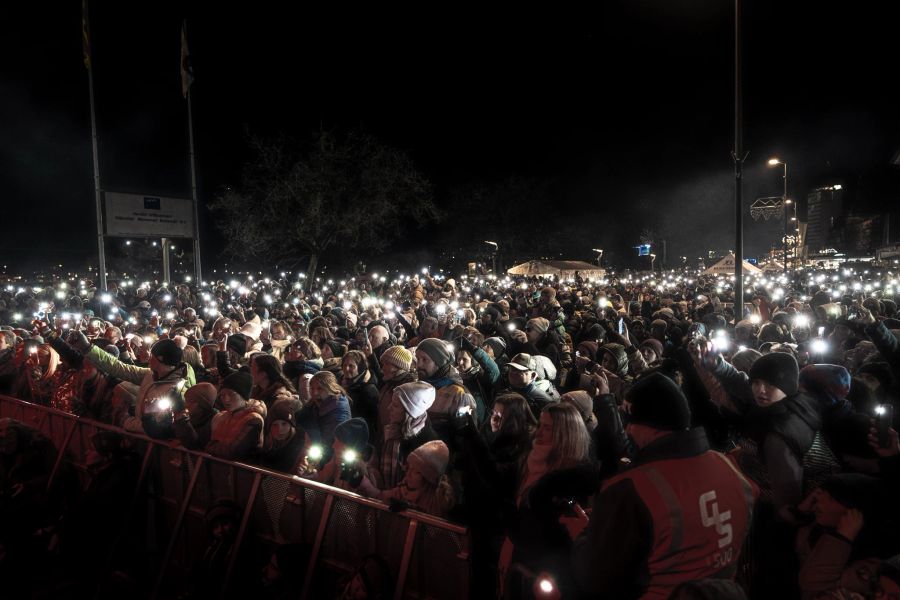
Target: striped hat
398,356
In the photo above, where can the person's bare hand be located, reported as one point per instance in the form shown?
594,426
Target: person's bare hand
850,524
864,316
601,381
706,355
577,523
808,503
893,448
223,343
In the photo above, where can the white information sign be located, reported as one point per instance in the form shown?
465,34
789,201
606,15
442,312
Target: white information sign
140,215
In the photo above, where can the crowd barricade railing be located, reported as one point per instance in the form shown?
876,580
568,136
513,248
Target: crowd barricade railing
430,556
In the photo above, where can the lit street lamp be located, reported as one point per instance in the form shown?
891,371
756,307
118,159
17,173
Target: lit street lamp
784,203
599,252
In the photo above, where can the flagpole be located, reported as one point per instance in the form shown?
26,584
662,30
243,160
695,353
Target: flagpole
185,71
101,252
197,271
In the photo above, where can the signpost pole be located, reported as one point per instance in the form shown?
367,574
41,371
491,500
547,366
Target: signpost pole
165,249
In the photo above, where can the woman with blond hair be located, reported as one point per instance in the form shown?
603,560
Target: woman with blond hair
38,375
328,407
556,476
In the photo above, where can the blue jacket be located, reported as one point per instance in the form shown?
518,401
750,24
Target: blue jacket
320,419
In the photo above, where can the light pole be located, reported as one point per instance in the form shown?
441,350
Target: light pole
784,203
599,252
652,262
493,256
738,156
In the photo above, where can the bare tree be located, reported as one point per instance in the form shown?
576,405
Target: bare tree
350,190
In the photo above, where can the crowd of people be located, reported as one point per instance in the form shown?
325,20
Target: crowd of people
638,436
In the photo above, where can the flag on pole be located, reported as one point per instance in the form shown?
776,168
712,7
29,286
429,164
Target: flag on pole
187,72
85,35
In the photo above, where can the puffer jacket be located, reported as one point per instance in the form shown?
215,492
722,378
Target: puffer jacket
150,388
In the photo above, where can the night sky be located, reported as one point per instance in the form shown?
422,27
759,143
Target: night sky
626,109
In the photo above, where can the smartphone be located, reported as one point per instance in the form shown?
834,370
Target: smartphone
621,326
884,416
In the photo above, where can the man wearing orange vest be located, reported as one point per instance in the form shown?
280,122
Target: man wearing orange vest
680,513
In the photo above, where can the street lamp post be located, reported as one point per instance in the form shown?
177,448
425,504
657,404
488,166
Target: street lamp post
599,252
652,263
738,156
784,203
494,255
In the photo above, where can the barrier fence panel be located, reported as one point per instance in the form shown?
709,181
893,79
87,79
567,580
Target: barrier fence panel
177,487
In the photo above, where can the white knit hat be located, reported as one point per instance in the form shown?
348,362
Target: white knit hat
416,397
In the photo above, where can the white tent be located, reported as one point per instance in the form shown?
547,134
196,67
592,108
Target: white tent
562,269
726,267
773,266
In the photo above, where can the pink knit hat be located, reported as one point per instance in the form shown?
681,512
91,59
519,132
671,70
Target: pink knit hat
431,460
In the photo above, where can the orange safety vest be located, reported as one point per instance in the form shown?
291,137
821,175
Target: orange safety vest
701,508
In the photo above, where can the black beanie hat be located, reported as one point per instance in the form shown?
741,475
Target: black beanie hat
238,343
854,490
354,433
241,382
167,352
779,369
657,401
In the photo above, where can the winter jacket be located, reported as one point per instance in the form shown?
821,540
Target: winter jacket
385,394
237,434
274,393
320,419
364,400
392,457
451,396
784,433
283,458
536,397
480,381
681,513
150,388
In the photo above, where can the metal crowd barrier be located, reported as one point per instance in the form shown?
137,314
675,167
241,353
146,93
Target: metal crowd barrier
429,556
